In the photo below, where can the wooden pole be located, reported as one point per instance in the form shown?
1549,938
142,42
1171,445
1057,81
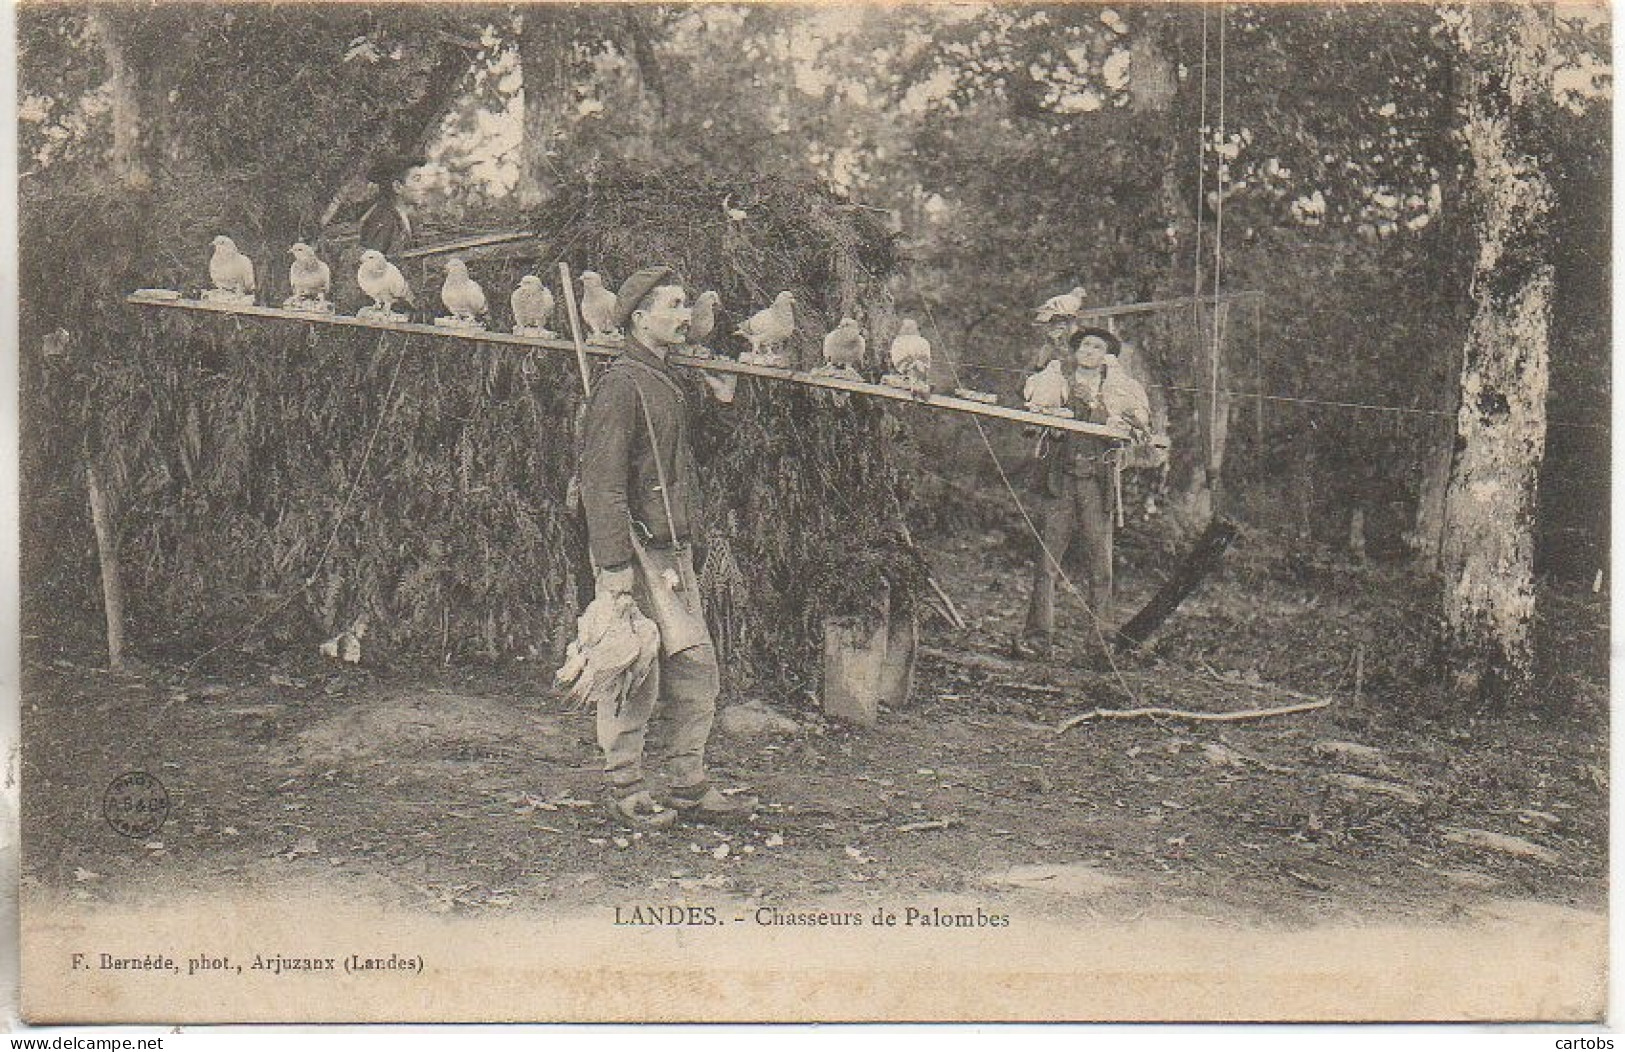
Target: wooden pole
464,243
107,554
1153,306
575,327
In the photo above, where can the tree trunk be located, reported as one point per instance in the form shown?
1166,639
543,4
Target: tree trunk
124,90
1487,553
544,65
1427,534
1154,94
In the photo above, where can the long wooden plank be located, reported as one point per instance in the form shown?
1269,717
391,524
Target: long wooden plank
1151,306
718,364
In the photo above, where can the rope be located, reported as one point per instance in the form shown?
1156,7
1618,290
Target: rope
1051,557
1379,407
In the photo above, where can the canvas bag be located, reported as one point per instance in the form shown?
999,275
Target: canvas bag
674,607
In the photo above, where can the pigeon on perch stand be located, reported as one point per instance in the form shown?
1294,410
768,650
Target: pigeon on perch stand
701,324
844,348
310,279
382,280
767,330
232,274
532,304
598,306
462,296
910,361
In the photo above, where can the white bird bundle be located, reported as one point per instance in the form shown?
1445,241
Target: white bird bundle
613,652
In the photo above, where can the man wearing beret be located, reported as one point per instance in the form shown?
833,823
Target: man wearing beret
1075,478
640,492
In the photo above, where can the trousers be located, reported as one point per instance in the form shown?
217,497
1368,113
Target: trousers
676,704
1080,514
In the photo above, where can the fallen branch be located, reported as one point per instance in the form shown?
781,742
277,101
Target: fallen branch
930,823
1036,688
1183,714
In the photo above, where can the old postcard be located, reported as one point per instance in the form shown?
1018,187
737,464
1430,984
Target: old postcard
814,512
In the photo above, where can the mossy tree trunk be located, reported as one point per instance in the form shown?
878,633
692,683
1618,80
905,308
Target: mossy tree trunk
128,153
1487,554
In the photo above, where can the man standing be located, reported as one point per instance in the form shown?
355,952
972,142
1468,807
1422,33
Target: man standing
1075,478
640,493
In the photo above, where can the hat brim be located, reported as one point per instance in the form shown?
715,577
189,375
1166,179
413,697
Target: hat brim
1113,343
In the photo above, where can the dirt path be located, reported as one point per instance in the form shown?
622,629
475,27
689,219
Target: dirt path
469,795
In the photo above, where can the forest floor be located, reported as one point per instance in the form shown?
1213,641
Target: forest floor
471,791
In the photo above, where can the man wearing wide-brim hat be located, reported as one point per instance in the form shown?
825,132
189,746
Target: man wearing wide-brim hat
1075,488
640,491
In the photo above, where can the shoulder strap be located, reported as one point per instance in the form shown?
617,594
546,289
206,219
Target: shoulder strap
660,470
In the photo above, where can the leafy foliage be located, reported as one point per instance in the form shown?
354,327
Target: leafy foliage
278,481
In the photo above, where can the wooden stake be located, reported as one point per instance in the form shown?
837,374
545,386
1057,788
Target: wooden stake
575,327
107,554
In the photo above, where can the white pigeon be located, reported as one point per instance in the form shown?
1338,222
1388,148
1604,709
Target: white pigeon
532,303
771,326
382,280
1047,389
911,352
704,318
598,305
229,269
461,294
1065,305
309,277
845,345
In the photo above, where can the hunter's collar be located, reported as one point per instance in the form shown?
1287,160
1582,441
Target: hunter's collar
641,354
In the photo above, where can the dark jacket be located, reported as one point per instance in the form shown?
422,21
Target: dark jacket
619,483
386,227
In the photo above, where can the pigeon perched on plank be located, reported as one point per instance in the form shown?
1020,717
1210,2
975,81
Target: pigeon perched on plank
383,281
308,277
461,294
532,304
767,330
911,352
1048,390
598,305
704,318
844,348
1061,307
229,269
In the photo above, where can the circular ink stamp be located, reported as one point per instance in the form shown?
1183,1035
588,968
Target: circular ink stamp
135,804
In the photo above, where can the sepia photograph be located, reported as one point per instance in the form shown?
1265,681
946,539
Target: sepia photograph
813,512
